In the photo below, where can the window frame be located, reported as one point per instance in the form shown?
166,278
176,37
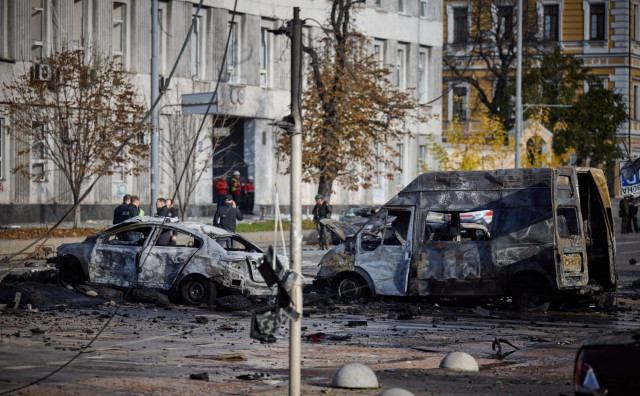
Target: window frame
423,62
423,11
401,66
196,47
232,52
452,27
37,43
464,102
122,24
587,12
38,147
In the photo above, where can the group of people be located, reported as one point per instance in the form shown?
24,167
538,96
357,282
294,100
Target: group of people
242,193
130,207
629,214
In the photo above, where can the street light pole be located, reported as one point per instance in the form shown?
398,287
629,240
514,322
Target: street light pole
519,87
296,204
154,168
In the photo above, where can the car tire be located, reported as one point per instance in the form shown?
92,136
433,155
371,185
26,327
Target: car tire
351,288
70,273
531,299
198,291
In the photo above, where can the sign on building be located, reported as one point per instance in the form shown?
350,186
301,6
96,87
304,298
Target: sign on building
199,103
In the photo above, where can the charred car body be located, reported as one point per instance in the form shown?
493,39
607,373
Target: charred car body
551,235
187,258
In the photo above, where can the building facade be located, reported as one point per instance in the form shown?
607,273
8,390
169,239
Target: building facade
253,86
605,35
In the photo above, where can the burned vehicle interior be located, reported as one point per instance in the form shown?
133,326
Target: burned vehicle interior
550,234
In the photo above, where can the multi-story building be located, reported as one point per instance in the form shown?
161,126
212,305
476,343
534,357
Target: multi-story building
253,93
605,35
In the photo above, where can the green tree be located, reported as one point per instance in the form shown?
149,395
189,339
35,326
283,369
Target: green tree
591,128
74,111
349,106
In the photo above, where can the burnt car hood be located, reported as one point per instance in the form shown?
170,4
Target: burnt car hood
342,230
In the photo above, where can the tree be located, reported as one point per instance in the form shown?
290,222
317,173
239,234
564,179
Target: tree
593,134
184,164
487,61
75,111
486,147
349,106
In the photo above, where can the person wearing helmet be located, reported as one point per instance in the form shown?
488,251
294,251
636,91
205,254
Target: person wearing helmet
249,195
322,210
236,188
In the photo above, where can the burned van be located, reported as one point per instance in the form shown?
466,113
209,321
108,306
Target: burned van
543,234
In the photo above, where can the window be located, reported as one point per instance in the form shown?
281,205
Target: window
422,157
264,57
596,21
118,173
37,29
386,227
567,222
636,102
422,76
550,22
423,9
636,22
117,32
78,23
460,24
401,68
378,4
401,7
196,45
378,53
505,21
459,108
399,163
232,53
38,170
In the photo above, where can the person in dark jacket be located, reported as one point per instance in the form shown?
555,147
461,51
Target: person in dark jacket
226,217
161,208
122,213
322,210
174,211
624,214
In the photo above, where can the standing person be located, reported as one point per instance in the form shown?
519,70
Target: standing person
122,213
633,215
161,208
174,211
623,212
226,217
236,188
322,210
221,190
134,206
249,195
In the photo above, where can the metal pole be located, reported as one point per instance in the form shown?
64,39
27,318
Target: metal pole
519,87
154,115
296,204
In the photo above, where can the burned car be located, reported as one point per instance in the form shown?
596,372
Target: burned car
608,365
193,260
550,238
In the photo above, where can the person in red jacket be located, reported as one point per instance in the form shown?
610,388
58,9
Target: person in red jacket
221,190
249,195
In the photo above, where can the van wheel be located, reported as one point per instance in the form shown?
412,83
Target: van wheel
531,299
351,288
198,291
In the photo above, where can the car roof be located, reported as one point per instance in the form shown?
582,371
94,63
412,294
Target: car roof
174,222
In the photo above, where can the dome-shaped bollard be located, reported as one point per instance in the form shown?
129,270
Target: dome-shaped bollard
354,376
395,392
460,361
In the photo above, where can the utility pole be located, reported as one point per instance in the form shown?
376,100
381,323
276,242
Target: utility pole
154,115
296,204
519,87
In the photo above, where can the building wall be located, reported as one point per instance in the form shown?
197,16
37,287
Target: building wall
262,104
616,59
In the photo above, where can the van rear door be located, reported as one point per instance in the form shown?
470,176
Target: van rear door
571,257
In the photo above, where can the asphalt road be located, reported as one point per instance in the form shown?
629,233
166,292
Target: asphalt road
140,348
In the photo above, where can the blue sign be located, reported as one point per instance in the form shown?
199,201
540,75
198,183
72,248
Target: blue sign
630,185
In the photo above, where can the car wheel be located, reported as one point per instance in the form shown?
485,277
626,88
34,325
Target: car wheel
197,291
351,288
70,273
531,299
